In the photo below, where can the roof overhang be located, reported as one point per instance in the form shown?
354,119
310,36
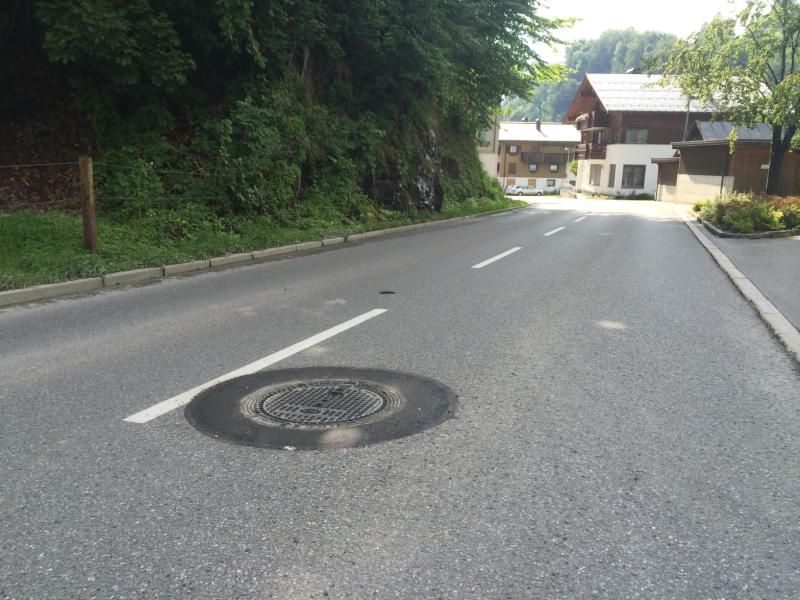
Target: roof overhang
666,161
718,143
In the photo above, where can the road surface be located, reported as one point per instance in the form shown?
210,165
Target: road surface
627,427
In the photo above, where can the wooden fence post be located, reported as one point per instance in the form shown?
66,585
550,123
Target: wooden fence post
87,204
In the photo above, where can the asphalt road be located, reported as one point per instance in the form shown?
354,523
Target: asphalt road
627,427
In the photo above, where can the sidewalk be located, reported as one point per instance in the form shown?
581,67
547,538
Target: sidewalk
773,266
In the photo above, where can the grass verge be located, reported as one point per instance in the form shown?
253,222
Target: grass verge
38,248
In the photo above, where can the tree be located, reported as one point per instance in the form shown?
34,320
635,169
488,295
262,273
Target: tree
749,68
276,97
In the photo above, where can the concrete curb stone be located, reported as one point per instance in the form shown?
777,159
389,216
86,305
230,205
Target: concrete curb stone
50,290
188,267
333,241
134,276
231,259
308,246
270,252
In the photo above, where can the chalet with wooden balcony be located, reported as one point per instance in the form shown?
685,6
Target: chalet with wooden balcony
535,153
625,121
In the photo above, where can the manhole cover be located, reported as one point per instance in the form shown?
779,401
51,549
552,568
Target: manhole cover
321,402
320,407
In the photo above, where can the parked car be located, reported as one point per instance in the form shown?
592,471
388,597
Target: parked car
525,190
510,190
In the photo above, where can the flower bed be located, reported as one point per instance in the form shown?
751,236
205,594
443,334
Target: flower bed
747,213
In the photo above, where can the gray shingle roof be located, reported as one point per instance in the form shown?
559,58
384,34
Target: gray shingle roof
720,130
641,93
555,133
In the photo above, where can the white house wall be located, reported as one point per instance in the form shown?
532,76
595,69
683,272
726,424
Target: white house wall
621,155
489,161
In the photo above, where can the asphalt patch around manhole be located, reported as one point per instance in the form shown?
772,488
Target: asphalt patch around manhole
320,407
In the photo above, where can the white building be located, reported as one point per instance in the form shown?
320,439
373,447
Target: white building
530,153
626,121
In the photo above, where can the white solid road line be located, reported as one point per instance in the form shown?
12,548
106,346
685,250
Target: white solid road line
496,258
549,233
176,402
579,220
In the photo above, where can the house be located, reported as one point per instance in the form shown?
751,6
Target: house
533,153
488,143
703,166
625,121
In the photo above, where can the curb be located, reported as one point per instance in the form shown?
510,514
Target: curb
51,290
783,233
769,313
149,274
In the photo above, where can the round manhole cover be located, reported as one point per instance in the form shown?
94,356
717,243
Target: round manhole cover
322,402
320,407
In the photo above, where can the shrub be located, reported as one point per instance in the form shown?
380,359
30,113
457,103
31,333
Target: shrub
743,213
791,216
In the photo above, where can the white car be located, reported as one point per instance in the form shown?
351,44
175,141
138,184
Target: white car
525,190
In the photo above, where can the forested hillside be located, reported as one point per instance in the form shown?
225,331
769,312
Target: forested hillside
263,107
612,52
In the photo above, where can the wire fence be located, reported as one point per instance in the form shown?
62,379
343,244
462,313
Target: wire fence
39,186
44,186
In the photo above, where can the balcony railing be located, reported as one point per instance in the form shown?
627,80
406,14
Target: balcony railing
592,120
543,158
590,151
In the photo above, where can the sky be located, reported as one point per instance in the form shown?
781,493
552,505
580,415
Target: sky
680,17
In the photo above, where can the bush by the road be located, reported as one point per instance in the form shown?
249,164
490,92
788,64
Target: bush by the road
748,213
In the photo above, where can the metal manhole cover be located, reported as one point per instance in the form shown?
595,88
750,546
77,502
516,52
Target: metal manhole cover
320,407
321,402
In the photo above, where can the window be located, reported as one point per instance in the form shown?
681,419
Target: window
551,183
636,136
594,174
633,177
513,149
532,182
554,168
533,167
512,168
511,181
612,175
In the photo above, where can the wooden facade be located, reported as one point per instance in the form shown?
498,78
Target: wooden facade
746,166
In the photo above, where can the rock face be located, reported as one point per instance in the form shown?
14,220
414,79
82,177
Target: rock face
426,184
411,179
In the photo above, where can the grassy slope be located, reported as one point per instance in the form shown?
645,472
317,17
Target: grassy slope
38,248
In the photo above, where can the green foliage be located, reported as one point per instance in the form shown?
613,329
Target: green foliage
701,205
127,43
614,51
791,216
304,113
749,68
131,189
746,213
258,157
